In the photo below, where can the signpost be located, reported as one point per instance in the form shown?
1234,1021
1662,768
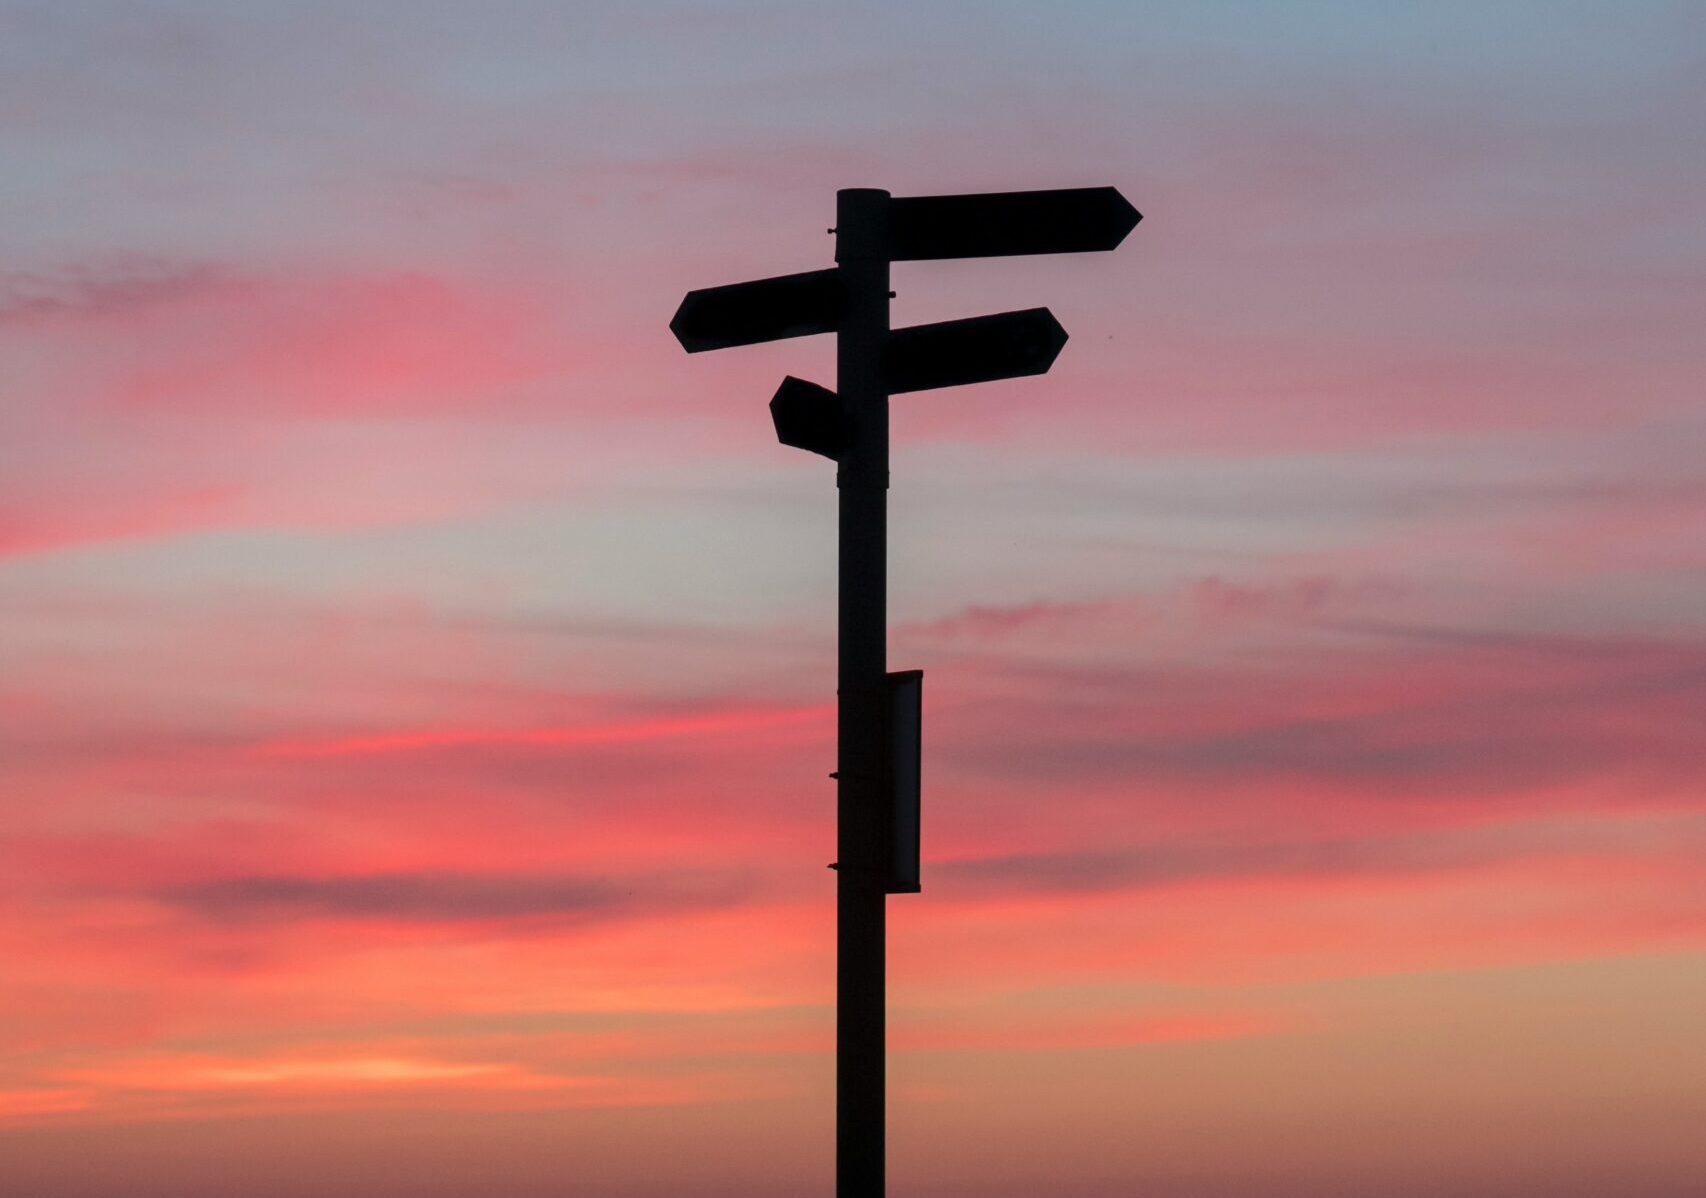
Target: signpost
877,726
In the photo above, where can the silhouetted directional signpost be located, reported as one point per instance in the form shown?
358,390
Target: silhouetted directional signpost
877,728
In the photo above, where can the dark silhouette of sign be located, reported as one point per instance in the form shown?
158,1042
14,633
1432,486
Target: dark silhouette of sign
996,224
808,416
978,350
763,310
906,744
878,713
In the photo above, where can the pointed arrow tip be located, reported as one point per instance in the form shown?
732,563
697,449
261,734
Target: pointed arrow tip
1057,339
678,325
1126,215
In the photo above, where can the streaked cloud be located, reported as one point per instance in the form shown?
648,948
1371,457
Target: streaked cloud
440,897
100,291
1471,848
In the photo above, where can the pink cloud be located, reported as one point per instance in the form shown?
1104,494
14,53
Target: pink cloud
1218,600
37,527
122,288
402,343
980,621
1189,605
155,400
758,720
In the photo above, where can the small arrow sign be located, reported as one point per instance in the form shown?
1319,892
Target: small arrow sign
762,310
984,348
1064,221
808,416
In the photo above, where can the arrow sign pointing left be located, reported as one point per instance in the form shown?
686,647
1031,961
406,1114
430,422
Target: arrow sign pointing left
763,310
979,350
808,416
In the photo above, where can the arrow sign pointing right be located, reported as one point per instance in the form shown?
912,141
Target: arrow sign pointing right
1067,220
984,348
763,310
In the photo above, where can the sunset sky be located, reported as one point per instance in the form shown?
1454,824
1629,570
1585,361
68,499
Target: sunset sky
417,673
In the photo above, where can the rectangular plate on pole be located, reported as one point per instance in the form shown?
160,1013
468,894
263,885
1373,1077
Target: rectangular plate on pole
762,310
979,350
906,740
995,224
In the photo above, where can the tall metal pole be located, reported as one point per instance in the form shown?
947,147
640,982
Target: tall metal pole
862,254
